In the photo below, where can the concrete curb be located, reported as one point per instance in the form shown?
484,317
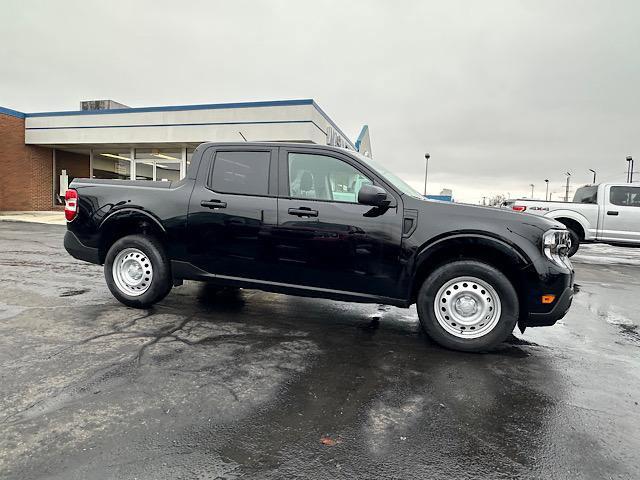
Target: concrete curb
49,218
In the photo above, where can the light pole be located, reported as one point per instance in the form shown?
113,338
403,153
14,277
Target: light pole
532,186
546,194
630,171
426,171
594,174
566,192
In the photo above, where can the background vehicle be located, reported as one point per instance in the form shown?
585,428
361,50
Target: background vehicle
324,222
608,213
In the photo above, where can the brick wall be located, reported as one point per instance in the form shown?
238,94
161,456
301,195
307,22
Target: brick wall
76,165
26,172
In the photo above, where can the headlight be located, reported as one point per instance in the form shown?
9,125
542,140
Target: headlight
555,245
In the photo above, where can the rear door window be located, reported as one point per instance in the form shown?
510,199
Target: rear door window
244,173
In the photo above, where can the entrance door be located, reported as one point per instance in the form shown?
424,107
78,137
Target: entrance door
325,239
621,215
231,213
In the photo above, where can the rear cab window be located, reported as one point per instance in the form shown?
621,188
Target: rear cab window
588,194
240,173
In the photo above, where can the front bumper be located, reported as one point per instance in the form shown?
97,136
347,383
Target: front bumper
80,251
546,278
559,310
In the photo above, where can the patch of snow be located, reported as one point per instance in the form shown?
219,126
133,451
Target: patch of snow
602,254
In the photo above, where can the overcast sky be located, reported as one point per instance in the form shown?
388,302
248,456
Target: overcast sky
500,93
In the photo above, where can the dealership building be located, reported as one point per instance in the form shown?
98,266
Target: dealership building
40,153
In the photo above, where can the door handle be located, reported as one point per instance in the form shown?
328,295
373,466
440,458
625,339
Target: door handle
303,212
213,204
612,212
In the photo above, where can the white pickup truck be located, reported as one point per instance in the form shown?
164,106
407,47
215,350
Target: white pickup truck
607,213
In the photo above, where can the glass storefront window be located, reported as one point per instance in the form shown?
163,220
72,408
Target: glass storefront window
144,170
163,154
160,164
169,171
112,164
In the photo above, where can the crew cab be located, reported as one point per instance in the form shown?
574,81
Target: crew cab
323,222
607,213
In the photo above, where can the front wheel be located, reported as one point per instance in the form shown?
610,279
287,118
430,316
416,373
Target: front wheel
468,306
137,271
574,242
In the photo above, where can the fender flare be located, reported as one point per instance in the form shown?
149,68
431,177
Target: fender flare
427,250
572,215
130,213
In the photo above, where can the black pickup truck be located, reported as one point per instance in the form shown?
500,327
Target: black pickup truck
323,222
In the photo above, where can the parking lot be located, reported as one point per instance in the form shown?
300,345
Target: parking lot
257,385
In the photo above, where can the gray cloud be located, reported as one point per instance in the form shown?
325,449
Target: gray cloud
501,93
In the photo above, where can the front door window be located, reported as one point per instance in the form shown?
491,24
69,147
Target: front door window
625,196
319,177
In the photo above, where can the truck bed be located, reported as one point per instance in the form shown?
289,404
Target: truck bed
586,214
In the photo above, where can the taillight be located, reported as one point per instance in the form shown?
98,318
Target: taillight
519,208
71,204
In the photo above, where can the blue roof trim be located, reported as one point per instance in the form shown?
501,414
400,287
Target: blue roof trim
328,119
13,113
363,132
175,108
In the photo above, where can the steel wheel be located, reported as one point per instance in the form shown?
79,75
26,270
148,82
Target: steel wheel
467,307
132,272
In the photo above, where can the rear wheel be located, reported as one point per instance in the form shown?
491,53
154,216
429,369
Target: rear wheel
468,306
137,271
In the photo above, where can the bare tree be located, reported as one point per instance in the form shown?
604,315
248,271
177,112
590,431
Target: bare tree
496,200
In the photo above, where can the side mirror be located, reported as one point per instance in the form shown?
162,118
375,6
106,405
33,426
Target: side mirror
374,196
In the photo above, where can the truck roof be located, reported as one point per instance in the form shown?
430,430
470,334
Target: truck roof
279,144
622,184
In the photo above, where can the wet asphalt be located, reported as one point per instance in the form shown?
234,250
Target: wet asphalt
255,385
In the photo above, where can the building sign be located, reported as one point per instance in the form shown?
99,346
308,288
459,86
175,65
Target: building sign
335,139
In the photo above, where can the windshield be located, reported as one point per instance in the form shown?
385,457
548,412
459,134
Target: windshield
391,177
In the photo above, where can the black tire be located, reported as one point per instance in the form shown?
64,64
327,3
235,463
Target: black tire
509,307
575,242
161,281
